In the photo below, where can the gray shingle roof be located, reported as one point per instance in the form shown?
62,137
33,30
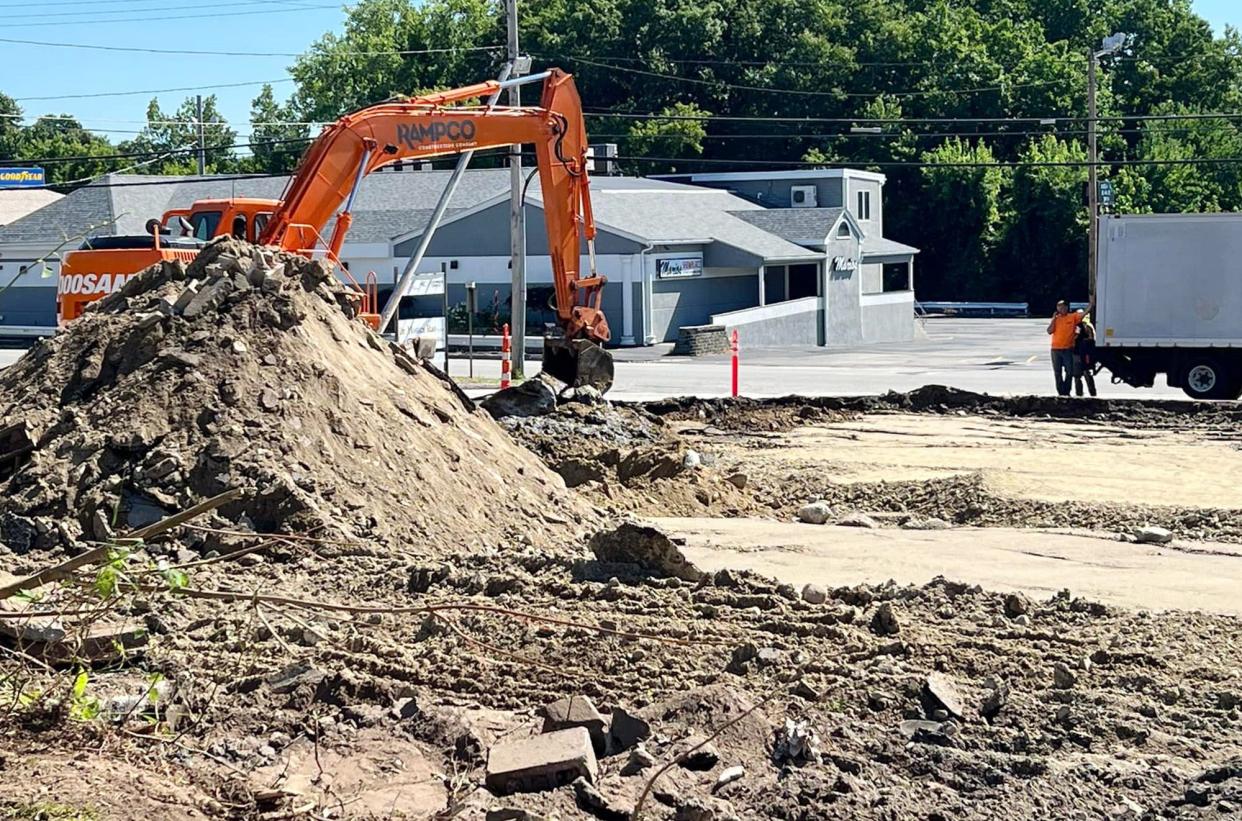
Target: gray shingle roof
881,247
802,226
131,199
664,212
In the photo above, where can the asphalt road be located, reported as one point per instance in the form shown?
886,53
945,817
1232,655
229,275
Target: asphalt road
998,356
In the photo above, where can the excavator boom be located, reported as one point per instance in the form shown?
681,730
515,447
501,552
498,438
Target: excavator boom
438,124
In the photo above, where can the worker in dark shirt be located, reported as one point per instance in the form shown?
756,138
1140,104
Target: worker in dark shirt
1084,356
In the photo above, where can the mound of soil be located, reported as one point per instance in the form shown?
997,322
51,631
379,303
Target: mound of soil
249,369
785,412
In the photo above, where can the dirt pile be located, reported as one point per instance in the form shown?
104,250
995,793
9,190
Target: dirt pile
629,461
249,370
783,413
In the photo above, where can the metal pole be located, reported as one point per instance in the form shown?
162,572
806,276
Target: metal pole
202,136
470,307
444,305
1093,208
517,221
416,258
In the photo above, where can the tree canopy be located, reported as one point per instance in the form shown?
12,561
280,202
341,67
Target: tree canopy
974,109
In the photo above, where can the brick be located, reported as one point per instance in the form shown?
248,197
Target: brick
541,762
576,711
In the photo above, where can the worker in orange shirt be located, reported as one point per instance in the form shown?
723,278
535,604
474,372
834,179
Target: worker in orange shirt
1063,329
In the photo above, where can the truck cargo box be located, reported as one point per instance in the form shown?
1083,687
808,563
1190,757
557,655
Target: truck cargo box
1170,280
1169,300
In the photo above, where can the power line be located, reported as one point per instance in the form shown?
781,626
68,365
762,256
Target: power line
1046,120
45,15
153,90
809,92
781,62
929,164
202,53
178,19
127,155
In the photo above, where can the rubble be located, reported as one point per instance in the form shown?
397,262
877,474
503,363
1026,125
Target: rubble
576,711
815,513
884,621
1153,535
351,424
541,762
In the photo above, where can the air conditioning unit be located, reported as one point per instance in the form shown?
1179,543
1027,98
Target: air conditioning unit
803,196
601,158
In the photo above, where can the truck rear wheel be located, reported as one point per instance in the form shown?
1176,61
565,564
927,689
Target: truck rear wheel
1208,379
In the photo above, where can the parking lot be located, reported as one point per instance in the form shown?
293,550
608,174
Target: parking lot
998,356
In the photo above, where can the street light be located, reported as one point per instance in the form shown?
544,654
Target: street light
1111,45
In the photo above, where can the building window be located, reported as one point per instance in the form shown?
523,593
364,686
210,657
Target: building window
864,205
896,276
843,230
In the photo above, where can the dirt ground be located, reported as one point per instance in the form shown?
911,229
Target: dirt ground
338,661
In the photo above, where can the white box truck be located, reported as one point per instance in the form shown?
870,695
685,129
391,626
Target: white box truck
1169,301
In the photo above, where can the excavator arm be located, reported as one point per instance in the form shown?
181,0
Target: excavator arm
432,125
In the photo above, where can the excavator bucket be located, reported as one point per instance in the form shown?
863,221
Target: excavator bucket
577,362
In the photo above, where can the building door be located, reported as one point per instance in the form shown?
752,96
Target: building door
803,280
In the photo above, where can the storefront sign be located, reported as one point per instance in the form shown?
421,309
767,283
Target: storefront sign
844,264
22,177
679,267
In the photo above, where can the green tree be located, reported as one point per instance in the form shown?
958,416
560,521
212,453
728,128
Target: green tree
1043,253
669,138
962,204
275,145
166,145
785,80
51,138
10,125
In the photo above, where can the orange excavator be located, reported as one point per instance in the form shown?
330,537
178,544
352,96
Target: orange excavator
327,181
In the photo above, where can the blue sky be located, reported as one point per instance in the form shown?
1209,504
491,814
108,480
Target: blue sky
250,26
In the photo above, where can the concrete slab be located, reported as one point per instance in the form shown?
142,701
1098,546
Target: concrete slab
1037,562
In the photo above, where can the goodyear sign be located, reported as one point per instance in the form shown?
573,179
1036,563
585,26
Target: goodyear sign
22,177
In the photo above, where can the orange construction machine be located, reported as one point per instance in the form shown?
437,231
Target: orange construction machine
326,183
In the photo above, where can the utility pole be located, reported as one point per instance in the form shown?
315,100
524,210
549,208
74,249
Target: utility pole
1093,181
517,220
202,138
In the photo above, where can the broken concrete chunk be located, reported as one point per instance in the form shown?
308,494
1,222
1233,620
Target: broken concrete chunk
541,762
576,711
1063,678
294,676
814,594
1153,535
942,691
185,297
858,520
269,400
639,760
728,776
994,700
645,546
626,730
816,513
534,397
884,621
1016,605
